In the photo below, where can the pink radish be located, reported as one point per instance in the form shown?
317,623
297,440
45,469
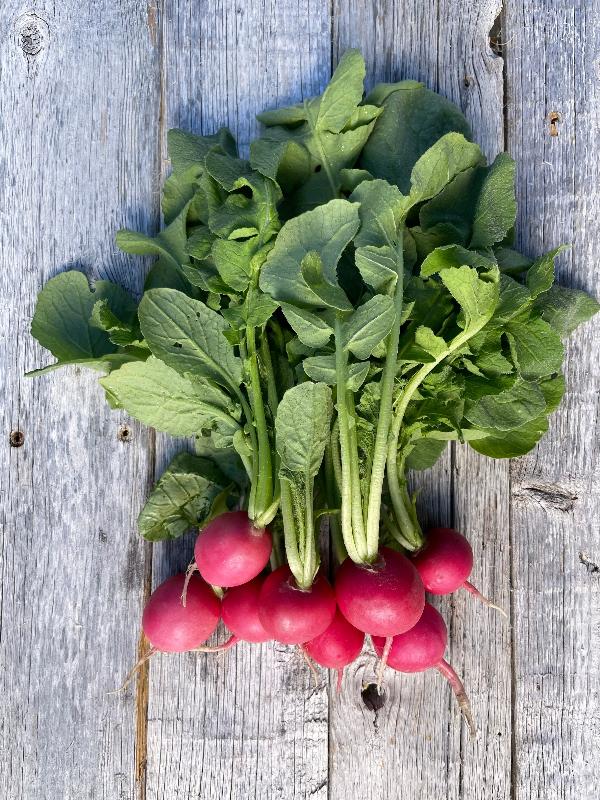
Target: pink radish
230,551
292,615
240,612
384,598
445,562
337,646
172,627
422,648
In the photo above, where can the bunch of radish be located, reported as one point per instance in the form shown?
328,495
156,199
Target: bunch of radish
385,599
324,315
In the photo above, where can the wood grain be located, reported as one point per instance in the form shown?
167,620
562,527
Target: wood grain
552,68
248,723
447,47
78,103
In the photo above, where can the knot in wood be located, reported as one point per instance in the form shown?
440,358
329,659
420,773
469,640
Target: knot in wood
32,40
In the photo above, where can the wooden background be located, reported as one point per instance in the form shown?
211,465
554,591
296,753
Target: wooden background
87,93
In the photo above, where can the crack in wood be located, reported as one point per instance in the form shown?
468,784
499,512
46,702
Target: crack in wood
548,495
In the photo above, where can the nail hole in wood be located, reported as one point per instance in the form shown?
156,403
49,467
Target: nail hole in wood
372,697
17,438
553,119
467,81
124,434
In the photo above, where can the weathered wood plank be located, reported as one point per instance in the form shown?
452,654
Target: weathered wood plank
448,49
78,105
552,66
249,723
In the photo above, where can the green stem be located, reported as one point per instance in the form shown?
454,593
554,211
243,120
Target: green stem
264,481
333,501
385,410
355,547
310,550
397,487
289,530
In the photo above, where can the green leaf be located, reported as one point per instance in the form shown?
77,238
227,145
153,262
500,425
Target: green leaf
105,363
312,331
302,427
540,275
426,339
512,444
323,370
120,332
62,319
496,206
510,409
378,267
425,453
287,162
453,255
226,459
329,294
477,298
368,326
187,149
160,397
536,347
511,261
188,336
343,94
413,119
326,230
455,204
182,498
332,128
565,309
179,190
233,261
445,159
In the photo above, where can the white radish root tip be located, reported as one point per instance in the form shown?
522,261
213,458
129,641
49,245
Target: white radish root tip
459,691
383,661
218,648
134,670
476,593
340,680
188,576
310,665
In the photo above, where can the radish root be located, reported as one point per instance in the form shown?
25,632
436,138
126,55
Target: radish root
310,665
459,690
476,593
340,679
218,648
383,661
134,670
188,576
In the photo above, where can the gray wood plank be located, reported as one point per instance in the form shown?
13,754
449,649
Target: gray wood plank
78,105
447,47
552,66
248,723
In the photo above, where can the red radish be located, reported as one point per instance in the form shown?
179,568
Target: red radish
240,612
422,648
230,551
172,627
337,646
445,562
384,598
292,615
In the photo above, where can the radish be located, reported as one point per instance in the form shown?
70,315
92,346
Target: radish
445,562
171,627
292,615
422,648
337,646
230,551
384,598
240,612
